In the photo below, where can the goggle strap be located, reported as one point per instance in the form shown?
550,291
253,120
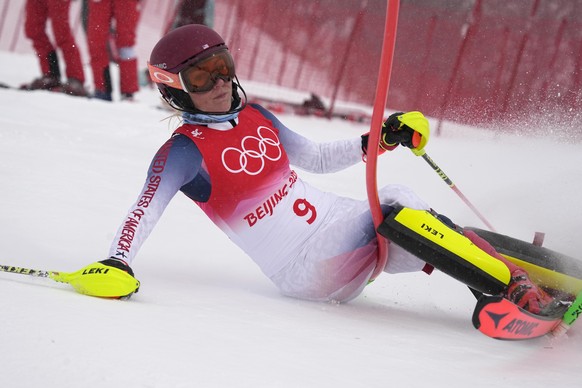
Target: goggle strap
161,76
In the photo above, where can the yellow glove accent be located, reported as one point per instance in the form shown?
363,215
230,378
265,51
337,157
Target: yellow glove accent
100,280
418,123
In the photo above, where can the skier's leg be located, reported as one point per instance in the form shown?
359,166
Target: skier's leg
461,254
337,262
399,259
520,289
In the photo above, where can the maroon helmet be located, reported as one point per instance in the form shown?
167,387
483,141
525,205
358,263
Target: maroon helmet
178,50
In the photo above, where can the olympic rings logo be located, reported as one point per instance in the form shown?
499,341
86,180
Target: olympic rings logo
253,152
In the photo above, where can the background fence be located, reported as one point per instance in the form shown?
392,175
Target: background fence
474,61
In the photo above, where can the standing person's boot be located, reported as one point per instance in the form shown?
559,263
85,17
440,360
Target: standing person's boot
103,91
74,87
48,81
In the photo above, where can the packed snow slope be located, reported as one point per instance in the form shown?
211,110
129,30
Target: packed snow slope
205,316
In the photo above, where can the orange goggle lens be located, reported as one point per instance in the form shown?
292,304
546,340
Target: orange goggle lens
202,76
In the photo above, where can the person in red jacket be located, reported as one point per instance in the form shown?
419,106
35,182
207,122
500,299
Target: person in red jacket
121,17
38,12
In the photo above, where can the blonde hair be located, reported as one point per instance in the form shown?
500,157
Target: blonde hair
175,116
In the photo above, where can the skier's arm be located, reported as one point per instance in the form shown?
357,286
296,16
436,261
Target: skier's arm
316,157
175,164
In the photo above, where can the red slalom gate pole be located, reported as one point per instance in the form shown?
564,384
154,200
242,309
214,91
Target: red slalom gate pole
380,100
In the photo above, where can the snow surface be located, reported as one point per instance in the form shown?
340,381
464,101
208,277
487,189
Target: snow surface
205,316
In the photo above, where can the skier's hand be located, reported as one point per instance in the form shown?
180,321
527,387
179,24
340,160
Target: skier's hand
111,278
409,129
381,149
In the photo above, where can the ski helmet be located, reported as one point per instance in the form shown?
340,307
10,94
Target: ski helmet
180,49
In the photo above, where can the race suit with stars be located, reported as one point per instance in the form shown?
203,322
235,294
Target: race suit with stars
312,244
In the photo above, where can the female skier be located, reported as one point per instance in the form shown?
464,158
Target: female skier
233,160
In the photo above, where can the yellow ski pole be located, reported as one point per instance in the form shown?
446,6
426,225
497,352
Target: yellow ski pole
95,279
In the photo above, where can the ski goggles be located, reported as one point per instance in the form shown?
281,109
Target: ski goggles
200,76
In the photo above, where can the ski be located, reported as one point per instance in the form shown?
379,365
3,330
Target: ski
501,319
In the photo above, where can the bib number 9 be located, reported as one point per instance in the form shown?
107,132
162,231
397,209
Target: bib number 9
303,208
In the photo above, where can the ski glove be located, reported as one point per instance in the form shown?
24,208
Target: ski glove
409,129
111,278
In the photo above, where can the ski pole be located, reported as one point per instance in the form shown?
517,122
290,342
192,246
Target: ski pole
61,277
95,279
28,271
449,182
573,313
